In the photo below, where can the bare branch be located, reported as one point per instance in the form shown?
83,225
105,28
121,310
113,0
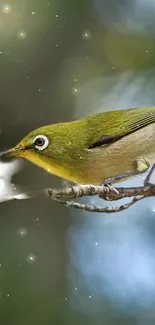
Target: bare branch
102,191
97,208
106,192
138,193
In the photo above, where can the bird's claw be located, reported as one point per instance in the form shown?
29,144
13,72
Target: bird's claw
110,188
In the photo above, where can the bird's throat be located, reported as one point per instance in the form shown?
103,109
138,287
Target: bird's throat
49,165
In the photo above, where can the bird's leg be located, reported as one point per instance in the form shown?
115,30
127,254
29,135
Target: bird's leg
142,165
120,177
148,181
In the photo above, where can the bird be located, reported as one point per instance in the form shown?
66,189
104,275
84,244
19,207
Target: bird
94,148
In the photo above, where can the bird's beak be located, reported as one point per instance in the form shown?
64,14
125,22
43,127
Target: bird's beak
13,152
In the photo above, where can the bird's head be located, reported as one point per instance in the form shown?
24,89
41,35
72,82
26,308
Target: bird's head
52,148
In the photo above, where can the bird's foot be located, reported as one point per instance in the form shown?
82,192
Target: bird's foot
107,189
115,179
150,179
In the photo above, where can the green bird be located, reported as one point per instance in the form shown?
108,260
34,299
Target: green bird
94,148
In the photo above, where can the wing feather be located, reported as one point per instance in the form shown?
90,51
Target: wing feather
113,125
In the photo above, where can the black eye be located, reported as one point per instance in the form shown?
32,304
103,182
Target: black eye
39,142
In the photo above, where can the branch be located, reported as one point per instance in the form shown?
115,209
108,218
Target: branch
103,191
97,208
106,192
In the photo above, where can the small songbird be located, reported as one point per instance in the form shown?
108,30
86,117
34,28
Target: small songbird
94,148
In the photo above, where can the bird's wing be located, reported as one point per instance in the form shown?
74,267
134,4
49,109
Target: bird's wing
117,124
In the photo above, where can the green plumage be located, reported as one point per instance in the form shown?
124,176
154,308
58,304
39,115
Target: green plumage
84,132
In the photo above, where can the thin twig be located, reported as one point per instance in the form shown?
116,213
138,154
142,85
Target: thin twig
97,208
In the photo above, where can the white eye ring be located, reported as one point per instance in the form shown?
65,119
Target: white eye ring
44,142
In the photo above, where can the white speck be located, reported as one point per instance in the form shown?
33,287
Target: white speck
1,52
0,265
37,219
6,9
146,51
65,298
75,90
8,295
31,258
48,4
33,13
39,89
96,243
27,77
90,297
21,35
113,68
76,289
75,79
106,222
153,209
22,232
56,45
86,35
56,16
98,261
92,202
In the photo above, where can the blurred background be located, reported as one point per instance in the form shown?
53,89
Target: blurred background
61,60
